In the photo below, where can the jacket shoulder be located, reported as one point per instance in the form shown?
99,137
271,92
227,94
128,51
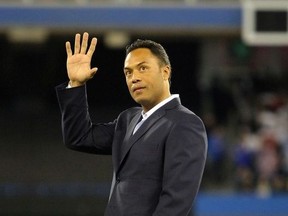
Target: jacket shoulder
183,114
129,113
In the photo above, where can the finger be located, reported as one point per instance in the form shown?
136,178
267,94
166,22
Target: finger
68,49
77,43
84,43
92,47
93,71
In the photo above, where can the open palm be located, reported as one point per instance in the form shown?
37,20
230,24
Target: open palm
79,63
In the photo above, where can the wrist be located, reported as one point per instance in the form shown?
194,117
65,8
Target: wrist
73,84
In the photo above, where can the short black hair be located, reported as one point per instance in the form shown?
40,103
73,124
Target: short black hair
155,48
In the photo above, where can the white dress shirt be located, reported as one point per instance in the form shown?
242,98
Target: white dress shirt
151,111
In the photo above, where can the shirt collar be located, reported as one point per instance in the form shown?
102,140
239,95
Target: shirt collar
162,103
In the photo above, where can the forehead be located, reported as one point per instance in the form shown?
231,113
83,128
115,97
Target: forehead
138,56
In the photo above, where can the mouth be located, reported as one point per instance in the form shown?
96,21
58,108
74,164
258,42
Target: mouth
137,88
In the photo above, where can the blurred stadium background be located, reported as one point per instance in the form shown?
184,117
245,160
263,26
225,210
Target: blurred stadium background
238,86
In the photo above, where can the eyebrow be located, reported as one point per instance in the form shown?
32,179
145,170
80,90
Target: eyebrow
128,68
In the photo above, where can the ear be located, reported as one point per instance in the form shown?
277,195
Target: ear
166,70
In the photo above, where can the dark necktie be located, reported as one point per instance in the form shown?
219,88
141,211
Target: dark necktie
140,122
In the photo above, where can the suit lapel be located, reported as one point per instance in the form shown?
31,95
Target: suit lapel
128,134
131,127
145,126
130,139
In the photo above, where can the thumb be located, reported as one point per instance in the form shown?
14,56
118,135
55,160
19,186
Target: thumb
93,71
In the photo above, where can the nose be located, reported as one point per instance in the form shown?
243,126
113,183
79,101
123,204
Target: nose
135,77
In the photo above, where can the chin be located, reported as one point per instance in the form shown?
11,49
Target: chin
137,100
140,100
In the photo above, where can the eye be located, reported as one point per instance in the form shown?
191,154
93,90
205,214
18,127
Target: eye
143,68
128,73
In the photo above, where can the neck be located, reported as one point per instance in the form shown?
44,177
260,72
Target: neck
147,107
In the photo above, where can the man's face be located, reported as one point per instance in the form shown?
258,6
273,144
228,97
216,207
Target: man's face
147,81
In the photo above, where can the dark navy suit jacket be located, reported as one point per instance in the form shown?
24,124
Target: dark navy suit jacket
158,170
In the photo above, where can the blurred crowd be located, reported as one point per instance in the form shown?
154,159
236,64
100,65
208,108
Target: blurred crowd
256,159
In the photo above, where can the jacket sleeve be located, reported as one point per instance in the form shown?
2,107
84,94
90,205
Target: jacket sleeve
185,156
77,129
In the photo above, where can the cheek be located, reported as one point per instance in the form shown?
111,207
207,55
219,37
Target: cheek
129,87
128,84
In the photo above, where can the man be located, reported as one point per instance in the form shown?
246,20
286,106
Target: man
158,149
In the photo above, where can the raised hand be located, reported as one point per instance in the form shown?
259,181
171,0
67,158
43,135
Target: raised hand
79,63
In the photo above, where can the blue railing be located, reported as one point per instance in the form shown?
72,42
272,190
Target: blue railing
207,204
125,18
235,204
